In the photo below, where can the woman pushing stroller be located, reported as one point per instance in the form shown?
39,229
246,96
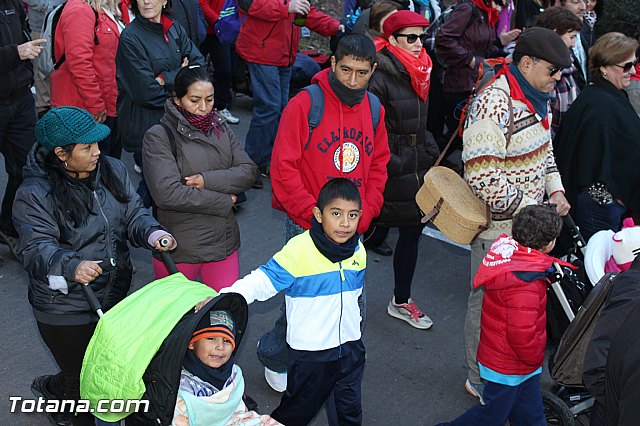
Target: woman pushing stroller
75,209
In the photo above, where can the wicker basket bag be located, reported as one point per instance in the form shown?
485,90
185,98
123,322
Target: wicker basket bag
448,201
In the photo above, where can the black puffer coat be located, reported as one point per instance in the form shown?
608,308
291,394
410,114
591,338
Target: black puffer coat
51,247
413,148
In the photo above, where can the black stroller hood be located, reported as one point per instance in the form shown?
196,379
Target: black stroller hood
162,377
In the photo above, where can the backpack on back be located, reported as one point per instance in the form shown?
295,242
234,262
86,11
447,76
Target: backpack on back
316,111
228,26
434,28
46,60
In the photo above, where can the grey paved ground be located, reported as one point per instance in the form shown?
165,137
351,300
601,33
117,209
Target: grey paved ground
412,377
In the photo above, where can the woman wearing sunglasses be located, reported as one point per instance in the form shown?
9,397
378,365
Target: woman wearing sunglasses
402,83
597,146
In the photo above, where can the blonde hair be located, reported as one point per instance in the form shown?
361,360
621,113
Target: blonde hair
610,49
111,5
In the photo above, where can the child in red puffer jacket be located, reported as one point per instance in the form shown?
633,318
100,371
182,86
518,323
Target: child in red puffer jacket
513,326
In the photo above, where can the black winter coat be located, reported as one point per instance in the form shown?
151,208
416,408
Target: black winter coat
143,54
16,75
413,148
49,246
624,295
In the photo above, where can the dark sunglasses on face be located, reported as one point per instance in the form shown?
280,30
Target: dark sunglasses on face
552,70
627,67
412,38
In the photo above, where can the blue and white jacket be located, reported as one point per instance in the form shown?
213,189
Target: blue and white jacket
321,296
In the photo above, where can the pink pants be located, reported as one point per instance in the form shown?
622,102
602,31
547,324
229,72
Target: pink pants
216,275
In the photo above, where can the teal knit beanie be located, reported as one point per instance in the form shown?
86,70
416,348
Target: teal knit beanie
67,125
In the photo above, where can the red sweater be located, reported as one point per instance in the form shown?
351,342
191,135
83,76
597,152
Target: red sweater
513,332
268,35
87,78
300,167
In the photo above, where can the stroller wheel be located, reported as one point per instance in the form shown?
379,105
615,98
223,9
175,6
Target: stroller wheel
556,411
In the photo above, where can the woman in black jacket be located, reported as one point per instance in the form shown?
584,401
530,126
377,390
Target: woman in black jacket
152,50
597,148
402,84
74,210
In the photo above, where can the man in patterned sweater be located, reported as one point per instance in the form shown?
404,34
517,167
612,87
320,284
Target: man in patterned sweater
509,173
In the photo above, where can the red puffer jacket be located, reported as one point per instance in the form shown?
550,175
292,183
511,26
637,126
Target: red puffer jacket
514,322
268,35
87,78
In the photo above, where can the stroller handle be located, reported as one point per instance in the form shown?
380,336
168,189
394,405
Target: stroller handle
165,257
574,232
93,301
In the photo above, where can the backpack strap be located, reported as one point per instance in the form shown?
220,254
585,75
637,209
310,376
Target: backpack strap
57,64
172,139
316,110
374,105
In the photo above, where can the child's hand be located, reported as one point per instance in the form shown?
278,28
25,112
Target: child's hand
199,305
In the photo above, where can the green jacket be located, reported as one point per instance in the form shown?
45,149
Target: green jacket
129,335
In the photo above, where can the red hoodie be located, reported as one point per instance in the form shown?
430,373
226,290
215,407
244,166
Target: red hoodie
513,332
300,167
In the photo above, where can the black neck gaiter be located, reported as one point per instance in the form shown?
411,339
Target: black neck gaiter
347,96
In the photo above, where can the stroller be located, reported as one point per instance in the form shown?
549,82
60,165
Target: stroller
137,350
569,400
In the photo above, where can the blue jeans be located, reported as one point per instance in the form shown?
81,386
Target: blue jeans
270,88
272,347
521,405
592,217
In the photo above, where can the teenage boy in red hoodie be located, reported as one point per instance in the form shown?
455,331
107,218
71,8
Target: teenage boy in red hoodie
513,332
344,144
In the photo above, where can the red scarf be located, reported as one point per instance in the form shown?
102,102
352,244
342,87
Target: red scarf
204,123
492,15
518,95
419,68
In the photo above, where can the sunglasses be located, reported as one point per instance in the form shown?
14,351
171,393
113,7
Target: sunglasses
552,70
412,38
627,67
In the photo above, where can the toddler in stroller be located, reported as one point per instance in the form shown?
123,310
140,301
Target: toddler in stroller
211,384
151,348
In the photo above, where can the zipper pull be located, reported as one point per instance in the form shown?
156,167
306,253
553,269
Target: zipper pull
341,272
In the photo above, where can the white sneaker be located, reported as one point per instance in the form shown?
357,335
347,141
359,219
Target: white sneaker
277,381
226,114
410,313
137,168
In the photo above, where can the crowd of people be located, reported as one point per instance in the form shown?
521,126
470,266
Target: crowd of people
554,132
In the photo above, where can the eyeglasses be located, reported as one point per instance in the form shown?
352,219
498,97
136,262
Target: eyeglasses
579,1
627,67
552,70
412,38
